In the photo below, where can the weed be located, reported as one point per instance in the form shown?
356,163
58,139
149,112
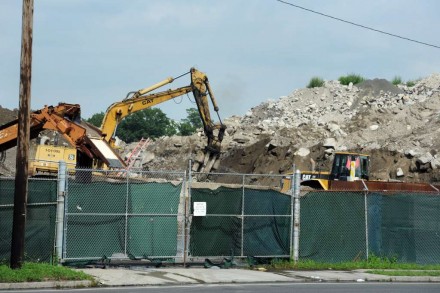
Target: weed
397,80
315,82
373,262
410,83
354,78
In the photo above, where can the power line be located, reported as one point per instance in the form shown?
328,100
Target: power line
359,25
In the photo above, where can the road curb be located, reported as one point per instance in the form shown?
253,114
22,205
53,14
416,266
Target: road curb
42,285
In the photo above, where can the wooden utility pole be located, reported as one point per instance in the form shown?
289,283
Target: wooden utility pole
21,175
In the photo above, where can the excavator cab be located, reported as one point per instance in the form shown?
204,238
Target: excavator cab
350,167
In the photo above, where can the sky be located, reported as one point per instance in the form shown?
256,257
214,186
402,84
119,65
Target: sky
93,52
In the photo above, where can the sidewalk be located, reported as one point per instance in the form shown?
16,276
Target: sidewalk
142,276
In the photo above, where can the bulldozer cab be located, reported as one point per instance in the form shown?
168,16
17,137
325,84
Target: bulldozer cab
350,167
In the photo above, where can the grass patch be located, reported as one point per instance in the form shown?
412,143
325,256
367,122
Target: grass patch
372,263
406,273
397,80
39,272
354,78
315,82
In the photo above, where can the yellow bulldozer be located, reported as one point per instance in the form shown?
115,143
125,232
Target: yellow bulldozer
346,166
351,171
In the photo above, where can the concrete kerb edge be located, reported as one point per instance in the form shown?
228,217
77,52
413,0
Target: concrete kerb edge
48,284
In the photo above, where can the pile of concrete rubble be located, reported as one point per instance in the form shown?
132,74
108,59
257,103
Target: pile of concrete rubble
397,125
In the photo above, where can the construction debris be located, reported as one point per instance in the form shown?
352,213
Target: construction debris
397,125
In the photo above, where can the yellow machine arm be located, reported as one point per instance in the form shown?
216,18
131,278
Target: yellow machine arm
65,119
60,118
141,100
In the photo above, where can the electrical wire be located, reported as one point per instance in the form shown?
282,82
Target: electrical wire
359,25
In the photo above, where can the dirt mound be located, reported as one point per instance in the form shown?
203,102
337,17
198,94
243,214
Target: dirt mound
376,87
7,115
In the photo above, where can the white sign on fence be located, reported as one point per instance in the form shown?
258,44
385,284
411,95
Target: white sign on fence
200,209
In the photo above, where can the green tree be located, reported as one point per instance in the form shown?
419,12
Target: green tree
151,122
96,119
190,124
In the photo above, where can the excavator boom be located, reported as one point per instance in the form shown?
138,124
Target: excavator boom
65,119
143,99
58,118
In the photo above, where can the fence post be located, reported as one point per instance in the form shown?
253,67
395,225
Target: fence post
187,213
366,219
127,200
296,215
242,215
292,192
60,209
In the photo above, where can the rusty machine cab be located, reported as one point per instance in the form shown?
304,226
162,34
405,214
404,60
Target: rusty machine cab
350,167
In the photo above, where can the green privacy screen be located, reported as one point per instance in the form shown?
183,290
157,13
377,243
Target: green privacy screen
402,226
118,219
40,219
405,227
153,221
241,222
332,226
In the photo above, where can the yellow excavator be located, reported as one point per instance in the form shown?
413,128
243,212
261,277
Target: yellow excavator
134,102
143,99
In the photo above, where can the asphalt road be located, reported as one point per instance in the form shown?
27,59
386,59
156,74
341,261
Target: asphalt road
260,288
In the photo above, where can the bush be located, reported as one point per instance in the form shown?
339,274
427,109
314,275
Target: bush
315,82
354,78
397,80
411,83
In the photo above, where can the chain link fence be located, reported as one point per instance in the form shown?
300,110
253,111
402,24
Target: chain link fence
404,226
40,218
246,216
120,214
333,226
152,215
353,225
149,215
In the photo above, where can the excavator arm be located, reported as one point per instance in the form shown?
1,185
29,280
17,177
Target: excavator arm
119,110
201,90
59,118
65,119
143,99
